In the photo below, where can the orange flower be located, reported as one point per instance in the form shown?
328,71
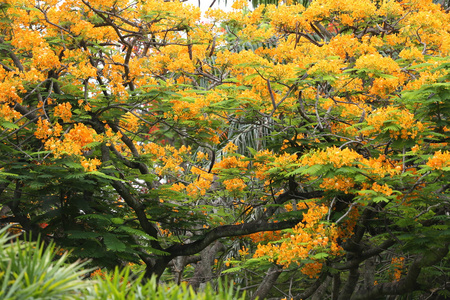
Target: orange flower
130,122
43,130
63,111
336,156
384,189
339,183
439,160
235,184
397,266
90,164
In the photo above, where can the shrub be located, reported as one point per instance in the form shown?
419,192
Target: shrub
31,270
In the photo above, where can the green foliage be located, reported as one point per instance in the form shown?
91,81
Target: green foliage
32,271
341,106
120,285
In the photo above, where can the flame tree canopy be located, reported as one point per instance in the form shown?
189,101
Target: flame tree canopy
314,140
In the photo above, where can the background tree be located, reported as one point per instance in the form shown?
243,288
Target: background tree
137,131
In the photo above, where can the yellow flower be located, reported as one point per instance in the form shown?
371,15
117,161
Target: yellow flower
243,251
384,189
90,165
339,183
336,156
130,122
63,110
235,184
439,160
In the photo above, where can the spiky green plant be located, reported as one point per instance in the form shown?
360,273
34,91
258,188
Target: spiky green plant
31,270
119,285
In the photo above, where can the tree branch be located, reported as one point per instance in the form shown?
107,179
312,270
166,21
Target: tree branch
408,282
227,231
269,280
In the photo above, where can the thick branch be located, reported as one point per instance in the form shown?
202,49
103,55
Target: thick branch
350,286
13,56
227,231
26,112
312,288
138,209
365,255
408,282
271,277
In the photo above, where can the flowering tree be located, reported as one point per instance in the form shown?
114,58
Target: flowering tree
141,131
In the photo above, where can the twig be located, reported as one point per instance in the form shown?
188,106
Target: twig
346,213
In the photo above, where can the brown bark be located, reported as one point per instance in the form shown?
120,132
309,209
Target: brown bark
266,285
319,293
407,283
203,270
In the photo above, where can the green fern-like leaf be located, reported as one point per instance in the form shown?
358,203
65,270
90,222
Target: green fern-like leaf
136,232
113,243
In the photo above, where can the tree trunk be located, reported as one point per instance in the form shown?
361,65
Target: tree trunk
267,283
203,270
